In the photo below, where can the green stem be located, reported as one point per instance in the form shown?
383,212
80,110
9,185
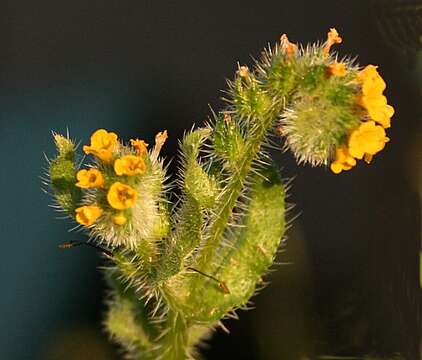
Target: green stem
174,345
234,188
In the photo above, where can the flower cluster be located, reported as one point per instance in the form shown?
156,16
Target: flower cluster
113,179
364,141
337,110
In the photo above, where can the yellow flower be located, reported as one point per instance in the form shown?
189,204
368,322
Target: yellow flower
129,165
337,69
378,109
121,196
343,161
91,178
103,144
371,80
332,38
119,219
140,146
372,98
87,215
369,139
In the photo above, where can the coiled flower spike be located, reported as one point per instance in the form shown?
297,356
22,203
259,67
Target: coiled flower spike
111,188
330,108
177,269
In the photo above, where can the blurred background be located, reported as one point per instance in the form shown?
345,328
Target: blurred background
350,285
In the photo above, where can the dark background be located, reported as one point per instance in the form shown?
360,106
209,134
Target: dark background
351,282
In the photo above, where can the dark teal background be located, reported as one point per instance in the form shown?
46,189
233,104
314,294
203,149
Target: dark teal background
137,67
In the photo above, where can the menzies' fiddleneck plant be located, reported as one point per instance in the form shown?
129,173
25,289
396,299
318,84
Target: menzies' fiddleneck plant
175,270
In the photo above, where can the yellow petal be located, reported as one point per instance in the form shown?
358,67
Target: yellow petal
91,178
368,138
336,167
121,196
102,145
129,165
350,161
343,161
87,215
102,139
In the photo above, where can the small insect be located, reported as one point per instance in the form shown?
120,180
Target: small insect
221,284
109,254
73,244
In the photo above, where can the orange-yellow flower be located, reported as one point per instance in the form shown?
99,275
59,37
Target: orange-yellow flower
87,215
369,139
378,109
343,161
332,38
140,146
103,144
119,219
289,48
129,165
372,98
121,196
337,69
91,178
371,80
